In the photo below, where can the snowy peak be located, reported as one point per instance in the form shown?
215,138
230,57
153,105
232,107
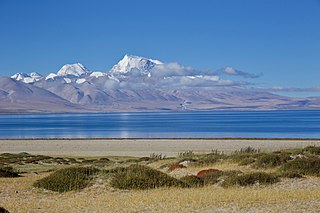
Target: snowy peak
27,78
97,74
20,76
131,62
35,75
72,69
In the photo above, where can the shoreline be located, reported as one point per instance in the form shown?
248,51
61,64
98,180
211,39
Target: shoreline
223,138
145,147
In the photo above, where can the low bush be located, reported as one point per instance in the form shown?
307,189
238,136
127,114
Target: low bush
215,177
144,159
143,177
248,149
304,166
68,179
193,181
238,157
312,150
247,161
290,174
260,178
3,210
269,160
211,158
8,172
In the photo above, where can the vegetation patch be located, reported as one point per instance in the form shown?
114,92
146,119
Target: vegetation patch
290,174
215,177
8,172
155,156
269,160
188,155
304,166
193,181
68,179
211,158
247,161
143,177
3,210
312,150
255,178
248,149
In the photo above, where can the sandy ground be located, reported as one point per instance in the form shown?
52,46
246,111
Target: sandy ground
144,147
301,195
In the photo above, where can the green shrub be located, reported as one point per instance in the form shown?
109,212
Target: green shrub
247,161
144,159
304,166
215,177
272,160
289,174
312,150
142,177
3,210
211,158
193,181
248,149
8,172
238,157
68,179
260,178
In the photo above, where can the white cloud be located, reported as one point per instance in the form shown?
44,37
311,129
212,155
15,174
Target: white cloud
234,72
291,89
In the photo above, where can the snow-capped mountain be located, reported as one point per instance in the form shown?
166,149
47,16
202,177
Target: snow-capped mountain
141,84
130,62
97,74
73,70
19,97
27,78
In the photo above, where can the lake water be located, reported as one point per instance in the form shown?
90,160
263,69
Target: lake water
265,124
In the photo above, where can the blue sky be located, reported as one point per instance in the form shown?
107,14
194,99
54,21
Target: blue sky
278,38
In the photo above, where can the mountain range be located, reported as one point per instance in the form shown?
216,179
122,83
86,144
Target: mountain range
139,84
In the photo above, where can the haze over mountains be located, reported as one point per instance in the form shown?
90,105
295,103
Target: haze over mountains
139,84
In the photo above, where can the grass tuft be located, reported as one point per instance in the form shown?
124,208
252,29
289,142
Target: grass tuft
193,181
215,177
68,179
8,172
290,174
304,166
312,150
269,160
143,177
259,178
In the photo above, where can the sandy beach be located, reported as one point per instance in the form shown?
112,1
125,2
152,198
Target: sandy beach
144,147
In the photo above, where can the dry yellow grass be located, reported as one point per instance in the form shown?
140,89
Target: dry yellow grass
100,198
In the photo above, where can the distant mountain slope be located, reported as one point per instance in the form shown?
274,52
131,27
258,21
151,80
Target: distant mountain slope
139,84
19,97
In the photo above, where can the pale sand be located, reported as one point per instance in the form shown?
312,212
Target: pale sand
144,147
